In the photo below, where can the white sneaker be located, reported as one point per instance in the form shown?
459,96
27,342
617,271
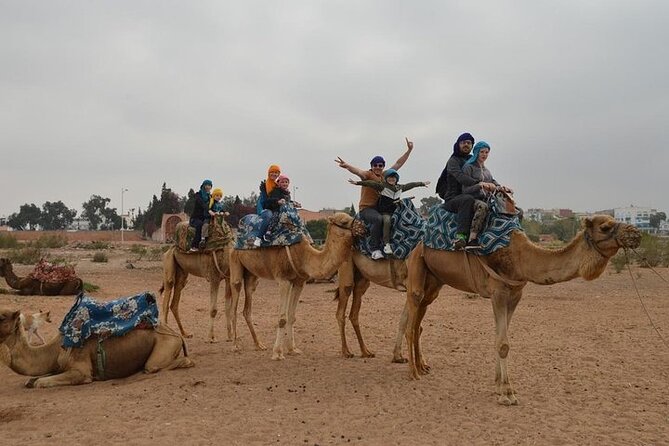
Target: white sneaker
256,242
376,255
387,249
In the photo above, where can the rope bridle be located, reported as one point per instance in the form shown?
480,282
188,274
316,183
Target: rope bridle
613,234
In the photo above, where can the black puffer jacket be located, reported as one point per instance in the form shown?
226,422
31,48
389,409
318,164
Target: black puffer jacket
452,178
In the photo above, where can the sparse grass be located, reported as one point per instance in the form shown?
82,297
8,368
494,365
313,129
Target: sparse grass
100,257
5,291
618,262
94,245
50,241
90,287
8,241
136,248
155,254
26,256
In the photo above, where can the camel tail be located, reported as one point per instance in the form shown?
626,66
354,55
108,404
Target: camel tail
183,346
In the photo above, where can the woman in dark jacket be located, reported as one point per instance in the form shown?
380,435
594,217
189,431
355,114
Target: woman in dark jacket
200,212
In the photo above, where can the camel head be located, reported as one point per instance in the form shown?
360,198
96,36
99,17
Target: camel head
345,221
9,323
606,236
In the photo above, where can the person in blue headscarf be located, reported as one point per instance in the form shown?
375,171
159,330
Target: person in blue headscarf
200,212
450,184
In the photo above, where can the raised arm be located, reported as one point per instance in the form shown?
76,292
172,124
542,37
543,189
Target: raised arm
354,170
409,186
403,159
377,185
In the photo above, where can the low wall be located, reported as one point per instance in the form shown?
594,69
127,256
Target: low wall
81,236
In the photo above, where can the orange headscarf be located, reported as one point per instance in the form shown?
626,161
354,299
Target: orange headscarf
270,184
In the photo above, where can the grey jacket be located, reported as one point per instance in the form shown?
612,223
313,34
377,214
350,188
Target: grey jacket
480,175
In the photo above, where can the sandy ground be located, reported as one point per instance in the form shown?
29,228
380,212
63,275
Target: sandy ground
587,366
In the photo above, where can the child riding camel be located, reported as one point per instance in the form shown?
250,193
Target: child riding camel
390,192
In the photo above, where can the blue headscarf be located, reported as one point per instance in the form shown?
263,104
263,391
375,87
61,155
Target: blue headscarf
203,193
463,137
477,149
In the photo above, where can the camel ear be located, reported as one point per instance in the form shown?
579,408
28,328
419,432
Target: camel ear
330,219
16,314
588,223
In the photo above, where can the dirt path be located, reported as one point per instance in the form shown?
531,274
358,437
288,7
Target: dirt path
586,365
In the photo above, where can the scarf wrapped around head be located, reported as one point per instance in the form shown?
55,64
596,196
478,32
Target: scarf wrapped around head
270,184
218,192
477,149
203,193
463,137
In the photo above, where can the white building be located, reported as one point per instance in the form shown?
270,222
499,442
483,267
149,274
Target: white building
636,216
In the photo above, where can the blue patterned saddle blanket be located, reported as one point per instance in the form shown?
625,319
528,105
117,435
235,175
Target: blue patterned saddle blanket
87,318
442,227
286,228
408,228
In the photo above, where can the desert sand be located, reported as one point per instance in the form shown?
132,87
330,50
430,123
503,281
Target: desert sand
587,366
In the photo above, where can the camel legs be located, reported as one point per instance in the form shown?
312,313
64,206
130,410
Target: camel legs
180,277
228,307
295,291
214,284
284,309
70,377
359,289
236,280
250,284
401,330
503,305
165,355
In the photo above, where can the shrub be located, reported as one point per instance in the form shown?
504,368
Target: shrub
26,256
136,248
619,261
50,241
8,241
100,257
155,254
90,288
652,251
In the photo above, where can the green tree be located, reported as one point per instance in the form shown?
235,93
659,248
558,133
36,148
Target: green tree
318,229
428,202
565,229
350,210
93,210
55,215
655,219
189,204
27,218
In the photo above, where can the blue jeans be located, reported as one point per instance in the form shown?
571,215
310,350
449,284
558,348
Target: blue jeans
372,217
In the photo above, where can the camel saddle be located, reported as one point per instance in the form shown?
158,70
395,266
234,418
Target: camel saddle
219,235
286,228
442,227
408,228
48,272
88,318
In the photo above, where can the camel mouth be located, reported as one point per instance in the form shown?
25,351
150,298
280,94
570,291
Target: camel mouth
629,237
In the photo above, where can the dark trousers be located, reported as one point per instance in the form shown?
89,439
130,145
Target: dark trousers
463,205
372,217
197,224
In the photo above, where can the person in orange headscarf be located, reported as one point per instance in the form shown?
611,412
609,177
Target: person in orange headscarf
267,186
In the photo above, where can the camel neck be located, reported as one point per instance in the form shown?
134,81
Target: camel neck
546,266
322,264
32,361
11,278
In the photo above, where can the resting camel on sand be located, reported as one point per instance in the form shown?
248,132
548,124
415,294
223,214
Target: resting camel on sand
291,267
355,275
212,265
502,276
52,365
31,286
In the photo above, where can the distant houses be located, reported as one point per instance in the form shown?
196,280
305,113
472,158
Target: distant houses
637,216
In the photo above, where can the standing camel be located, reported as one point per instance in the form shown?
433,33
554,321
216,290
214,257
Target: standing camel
291,267
502,275
355,276
52,365
212,265
32,286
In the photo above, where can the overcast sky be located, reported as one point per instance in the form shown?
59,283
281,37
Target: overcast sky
572,96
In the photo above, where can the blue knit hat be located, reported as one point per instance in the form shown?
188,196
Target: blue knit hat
463,137
377,160
390,172
477,149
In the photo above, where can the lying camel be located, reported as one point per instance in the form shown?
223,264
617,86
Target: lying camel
152,350
31,286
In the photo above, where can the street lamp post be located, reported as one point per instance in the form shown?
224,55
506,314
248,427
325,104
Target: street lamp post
123,190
